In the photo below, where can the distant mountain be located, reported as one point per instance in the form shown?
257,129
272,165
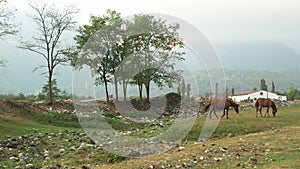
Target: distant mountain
244,80
245,64
270,56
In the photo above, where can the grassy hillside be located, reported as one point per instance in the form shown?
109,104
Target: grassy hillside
52,139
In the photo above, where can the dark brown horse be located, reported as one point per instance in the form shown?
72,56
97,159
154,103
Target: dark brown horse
221,104
263,102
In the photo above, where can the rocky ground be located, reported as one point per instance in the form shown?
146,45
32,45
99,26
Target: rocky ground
54,150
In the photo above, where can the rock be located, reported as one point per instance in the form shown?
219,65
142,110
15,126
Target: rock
21,156
62,150
230,135
13,159
181,148
12,144
29,166
218,159
47,159
56,155
202,158
135,154
253,161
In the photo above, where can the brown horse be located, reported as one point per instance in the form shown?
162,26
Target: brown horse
263,102
221,104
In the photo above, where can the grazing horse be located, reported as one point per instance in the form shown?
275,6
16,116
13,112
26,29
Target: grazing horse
263,102
221,104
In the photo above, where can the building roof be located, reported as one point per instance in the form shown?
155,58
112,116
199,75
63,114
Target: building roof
244,93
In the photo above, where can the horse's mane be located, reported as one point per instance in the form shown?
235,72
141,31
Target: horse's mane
232,102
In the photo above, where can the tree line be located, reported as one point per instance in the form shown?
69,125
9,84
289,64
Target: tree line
139,51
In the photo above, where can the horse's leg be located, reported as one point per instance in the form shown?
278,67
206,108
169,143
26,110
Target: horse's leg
223,113
268,111
227,114
216,114
260,111
256,111
209,112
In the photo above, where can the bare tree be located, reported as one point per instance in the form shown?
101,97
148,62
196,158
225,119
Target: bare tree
52,22
6,16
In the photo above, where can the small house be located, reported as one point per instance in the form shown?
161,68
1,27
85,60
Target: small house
254,95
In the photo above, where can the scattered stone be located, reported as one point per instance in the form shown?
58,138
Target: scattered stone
62,150
181,148
253,161
21,155
218,159
47,159
230,135
151,167
29,166
202,158
56,155
13,159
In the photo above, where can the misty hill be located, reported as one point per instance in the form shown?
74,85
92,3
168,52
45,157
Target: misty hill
271,56
245,80
245,63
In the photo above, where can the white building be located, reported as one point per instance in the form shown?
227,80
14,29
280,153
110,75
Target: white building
254,95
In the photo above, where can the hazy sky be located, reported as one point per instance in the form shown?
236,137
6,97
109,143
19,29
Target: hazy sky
219,20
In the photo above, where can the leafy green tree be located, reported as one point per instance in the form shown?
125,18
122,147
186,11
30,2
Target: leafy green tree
99,43
263,85
293,94
154,55
273,87
44,95
52,23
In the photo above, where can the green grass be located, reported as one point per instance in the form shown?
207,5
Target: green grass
273,142
245,122
14,125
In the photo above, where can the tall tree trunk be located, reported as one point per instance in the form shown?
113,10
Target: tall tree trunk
106,88
50,87
125,89
140,90
116,88
147,86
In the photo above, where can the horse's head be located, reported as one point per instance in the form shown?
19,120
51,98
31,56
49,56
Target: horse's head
274,109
